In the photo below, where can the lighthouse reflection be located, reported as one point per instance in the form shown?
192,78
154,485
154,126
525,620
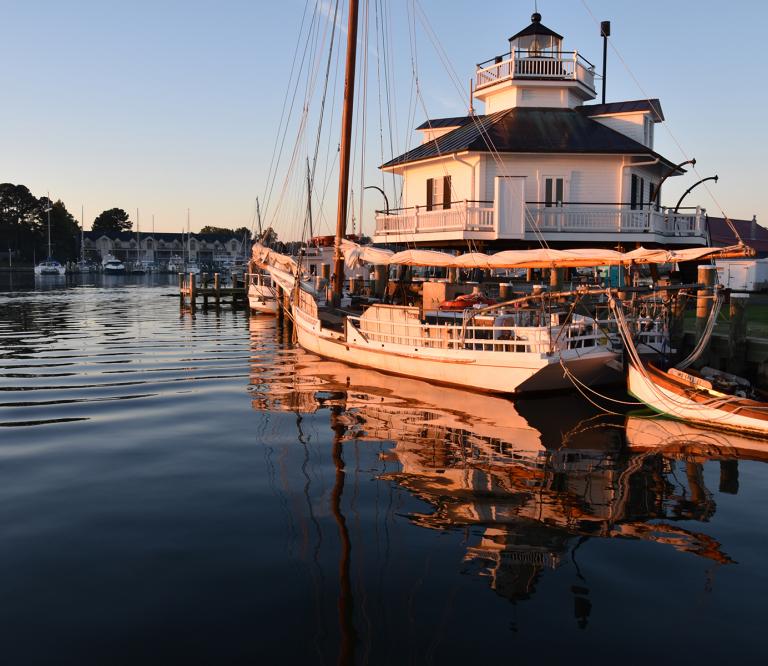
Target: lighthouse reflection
528,483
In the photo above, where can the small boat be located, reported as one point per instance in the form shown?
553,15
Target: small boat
50,267
261,293
710,398
112,266
83,266
175,264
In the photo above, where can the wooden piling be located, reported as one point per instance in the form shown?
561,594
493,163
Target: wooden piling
181,288
505,291
192,291
217,289
556,279
707,276
737,338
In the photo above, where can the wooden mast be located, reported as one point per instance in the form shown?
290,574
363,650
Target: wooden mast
346,142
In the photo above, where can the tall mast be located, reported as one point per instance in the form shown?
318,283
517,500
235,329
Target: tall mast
258,217
48,210
309,199
346,141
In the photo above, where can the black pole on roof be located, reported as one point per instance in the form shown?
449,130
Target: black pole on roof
605,32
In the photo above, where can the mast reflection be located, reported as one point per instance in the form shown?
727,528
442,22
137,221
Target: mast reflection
526,500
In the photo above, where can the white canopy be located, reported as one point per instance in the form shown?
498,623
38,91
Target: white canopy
355,255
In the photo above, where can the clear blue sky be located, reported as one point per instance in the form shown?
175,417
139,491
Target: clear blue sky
169,105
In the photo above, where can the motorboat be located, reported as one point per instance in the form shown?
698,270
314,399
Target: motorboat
112,266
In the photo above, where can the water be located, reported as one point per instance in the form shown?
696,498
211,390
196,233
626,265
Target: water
193,489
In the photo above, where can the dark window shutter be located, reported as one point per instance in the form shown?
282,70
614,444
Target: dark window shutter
651,192
548,192
560,186
633,193
430,192
641,188
446,192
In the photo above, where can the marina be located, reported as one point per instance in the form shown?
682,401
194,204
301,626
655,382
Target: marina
458,512
480,374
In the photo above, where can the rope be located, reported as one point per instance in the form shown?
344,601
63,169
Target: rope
706,335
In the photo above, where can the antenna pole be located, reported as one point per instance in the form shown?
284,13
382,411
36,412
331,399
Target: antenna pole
346,142
605,32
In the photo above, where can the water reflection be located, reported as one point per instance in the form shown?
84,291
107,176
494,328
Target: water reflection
528,495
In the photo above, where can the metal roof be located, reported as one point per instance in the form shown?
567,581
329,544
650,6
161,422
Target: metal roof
440,123
536,28
529,130
652,105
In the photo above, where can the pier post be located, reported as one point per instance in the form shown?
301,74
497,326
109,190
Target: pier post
192,291
217,288
353,285
181,288
737,338
556,279
529,275
707,275
505,291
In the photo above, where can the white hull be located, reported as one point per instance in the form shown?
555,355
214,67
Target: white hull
490,371
671,403
262,299
42,269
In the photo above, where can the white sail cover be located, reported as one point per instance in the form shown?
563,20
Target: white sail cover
356,255
538,258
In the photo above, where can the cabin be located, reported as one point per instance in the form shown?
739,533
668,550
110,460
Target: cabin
542,164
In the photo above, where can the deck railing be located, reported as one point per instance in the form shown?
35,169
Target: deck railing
478,216
563,66
461,216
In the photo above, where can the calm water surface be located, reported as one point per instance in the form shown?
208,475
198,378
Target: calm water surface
194,489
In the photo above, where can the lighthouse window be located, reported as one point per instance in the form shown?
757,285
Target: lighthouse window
554,188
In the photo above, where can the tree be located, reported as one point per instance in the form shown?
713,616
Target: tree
208,229
114,219
21,218
65,233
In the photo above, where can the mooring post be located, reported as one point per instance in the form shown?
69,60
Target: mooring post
707,276
737,338
192,290
556,279
217,288
181,288
677,321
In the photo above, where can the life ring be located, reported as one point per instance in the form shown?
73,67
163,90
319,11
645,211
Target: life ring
467,301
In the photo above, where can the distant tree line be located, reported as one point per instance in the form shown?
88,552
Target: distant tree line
24,226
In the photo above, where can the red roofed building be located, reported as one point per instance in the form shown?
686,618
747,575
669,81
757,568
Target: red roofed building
754,235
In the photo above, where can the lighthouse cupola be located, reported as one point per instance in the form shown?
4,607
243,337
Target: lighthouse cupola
536,41
536,71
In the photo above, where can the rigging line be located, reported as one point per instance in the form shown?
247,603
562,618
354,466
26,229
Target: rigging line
364,123
480,126
378,88
325,91
272,173
666,124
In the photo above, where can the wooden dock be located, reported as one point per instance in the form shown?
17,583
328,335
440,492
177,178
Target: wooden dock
211,291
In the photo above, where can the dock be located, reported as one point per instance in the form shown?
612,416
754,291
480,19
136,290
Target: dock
211,291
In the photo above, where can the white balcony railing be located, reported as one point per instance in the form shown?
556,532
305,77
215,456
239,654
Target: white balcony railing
565,66
462,216
610,220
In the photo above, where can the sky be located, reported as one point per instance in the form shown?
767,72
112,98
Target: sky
166,106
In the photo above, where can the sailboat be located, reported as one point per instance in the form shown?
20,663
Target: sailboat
83,266
532,343
50,266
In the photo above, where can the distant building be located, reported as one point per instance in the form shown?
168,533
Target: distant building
158,248
754,235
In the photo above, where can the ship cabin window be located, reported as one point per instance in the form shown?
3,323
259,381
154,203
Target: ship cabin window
554,191
637,189
439,193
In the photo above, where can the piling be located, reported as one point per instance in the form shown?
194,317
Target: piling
353,285
737,338
556,279
707,276
529,275
505,291
325,271
217,289
192,290
181,288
